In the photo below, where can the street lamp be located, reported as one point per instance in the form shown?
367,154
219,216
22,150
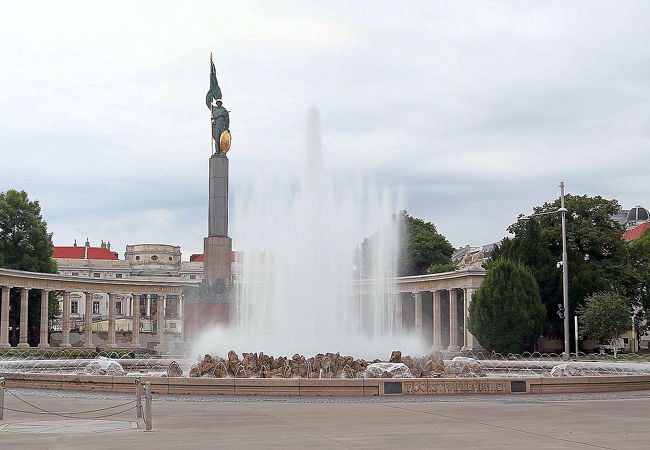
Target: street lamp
565,270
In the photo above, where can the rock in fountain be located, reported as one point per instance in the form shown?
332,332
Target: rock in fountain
332,365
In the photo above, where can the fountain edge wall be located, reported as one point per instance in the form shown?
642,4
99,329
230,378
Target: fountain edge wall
334,387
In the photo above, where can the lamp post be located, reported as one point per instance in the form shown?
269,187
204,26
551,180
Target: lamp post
565,270
565,275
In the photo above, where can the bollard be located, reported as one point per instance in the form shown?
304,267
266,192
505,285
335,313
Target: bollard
2,398
138,398
147,407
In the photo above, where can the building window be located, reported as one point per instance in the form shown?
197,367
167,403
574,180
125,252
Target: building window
96,274
118,275
75,274
137,258
74,307
118,308
192,277
170,258
154,258
95,307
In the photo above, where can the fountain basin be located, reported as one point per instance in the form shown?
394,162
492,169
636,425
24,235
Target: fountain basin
334,387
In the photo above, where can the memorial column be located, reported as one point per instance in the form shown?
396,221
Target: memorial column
418,313
437,322
24,311
135,322
45,310
4,317
453,321
65,331
88,321
111,321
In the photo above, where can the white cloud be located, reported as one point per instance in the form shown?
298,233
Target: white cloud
474,110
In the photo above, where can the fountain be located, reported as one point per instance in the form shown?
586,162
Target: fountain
299,290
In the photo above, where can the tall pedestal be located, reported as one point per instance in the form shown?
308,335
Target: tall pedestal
209,304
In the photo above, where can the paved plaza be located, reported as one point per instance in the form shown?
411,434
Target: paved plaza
532,421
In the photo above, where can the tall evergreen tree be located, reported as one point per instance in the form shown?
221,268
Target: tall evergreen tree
506,314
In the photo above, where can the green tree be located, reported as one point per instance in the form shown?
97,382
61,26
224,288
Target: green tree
422,247
605,316
598,257
639,250
506,314
26,245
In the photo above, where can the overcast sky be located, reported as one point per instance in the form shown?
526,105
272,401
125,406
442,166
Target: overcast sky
473,111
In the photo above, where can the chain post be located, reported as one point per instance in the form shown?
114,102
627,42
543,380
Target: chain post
2,398
138,399
147,407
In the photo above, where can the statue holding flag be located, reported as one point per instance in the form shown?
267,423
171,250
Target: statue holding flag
220,117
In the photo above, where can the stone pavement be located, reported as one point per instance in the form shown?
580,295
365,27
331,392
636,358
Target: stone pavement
541,421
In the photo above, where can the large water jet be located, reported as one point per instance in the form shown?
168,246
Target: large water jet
300,289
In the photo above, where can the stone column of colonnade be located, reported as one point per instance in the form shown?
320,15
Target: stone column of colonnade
88,321
397,299
111,321
437,322
65,331
418,312
161,308
4,317
24,310
135,311
453,321
45,309
470,341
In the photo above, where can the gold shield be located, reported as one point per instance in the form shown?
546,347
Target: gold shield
224,141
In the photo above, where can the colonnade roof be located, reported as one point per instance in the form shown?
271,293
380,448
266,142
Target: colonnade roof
58,282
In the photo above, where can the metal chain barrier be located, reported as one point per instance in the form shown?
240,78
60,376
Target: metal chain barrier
135,404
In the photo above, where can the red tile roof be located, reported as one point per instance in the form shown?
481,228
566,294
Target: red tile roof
635,233
78,253
199,257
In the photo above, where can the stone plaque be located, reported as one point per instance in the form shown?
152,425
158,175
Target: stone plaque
462,386
518,386
392,387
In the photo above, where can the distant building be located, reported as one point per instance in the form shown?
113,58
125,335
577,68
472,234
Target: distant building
140,261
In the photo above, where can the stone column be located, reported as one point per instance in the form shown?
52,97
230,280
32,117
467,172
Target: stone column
453,321
135,323
45,310
65,332
437,323
418,313
160,312
470,341
88,321
179,306
398,313
4,317
148,308
24,310
111,321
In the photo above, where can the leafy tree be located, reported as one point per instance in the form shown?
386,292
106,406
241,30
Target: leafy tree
597,256
605,316
26,245
506,314
440,268
422,246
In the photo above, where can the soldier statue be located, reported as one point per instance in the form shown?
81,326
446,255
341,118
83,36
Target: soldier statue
220,117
